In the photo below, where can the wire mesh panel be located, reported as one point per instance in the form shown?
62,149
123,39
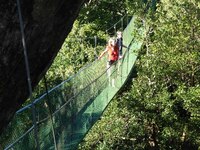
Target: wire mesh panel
20,126
66,113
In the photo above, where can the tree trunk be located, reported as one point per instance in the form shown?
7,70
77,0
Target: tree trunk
46,25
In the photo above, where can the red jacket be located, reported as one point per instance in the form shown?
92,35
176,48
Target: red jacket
113,53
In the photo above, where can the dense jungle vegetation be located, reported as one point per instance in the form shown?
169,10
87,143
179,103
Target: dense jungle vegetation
160,108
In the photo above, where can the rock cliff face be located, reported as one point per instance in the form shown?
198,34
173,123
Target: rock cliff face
46,24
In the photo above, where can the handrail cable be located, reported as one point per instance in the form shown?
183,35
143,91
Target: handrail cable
28,72
50,112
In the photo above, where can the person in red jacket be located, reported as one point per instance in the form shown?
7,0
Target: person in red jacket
113,51
113,54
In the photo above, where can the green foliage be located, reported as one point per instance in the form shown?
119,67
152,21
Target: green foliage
168,77
163,104
80,45
103,13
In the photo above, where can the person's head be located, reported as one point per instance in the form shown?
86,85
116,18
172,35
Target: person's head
112,42
119,34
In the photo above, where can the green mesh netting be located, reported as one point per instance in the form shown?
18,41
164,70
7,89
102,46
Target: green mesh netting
69,110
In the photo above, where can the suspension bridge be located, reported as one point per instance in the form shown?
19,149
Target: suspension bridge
64,114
